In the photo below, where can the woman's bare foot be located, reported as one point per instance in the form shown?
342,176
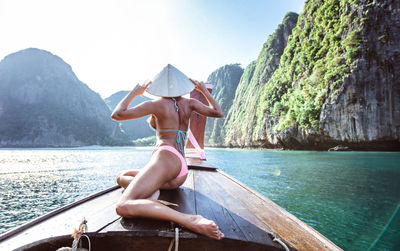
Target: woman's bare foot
204,226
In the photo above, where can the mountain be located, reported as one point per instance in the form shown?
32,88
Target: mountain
43,103
336,82
225,81
241,118
135,128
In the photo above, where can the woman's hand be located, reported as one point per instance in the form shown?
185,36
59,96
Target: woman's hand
140,88
200,86
213,109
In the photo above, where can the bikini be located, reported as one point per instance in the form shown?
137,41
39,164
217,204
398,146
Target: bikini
180,140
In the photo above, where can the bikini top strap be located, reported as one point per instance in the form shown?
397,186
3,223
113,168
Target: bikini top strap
181,137
176,106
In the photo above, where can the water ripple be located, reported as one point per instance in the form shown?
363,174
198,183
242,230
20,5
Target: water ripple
348,197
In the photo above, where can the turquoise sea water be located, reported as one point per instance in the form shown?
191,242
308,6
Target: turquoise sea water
349,197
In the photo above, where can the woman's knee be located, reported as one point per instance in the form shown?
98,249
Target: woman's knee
129,208
118,178
120,174
121,209
124,209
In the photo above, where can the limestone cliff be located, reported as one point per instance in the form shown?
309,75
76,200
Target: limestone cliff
43,103
365,112
337,81
134,128
241,118
225,81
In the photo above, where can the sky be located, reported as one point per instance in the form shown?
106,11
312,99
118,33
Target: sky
112,45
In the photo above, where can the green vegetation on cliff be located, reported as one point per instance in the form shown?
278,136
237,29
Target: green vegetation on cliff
241,118
148,141
318,56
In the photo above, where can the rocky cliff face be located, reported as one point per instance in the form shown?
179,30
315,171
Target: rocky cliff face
134,128
225,81
337,82
365,112
43,103
241,118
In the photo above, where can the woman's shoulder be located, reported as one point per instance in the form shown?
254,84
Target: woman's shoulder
193,102
188,101
159,101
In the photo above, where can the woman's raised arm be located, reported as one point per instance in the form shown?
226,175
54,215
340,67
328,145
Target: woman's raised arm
121,111
213,110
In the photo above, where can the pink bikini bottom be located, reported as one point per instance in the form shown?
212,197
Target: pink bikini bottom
184,169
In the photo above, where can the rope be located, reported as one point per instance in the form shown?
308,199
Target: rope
282,243
87,237
77,235
171,244
385,228
175,240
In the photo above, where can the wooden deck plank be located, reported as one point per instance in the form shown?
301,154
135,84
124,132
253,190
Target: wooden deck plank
283,224
198,164
183,196
254,229
213,210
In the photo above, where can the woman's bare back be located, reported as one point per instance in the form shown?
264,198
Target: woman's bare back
171,117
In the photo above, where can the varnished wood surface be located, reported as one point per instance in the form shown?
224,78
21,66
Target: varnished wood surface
197,121
276,220
199,196
195,163
241,213
133,241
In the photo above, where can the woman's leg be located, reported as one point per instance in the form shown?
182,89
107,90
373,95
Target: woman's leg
124,178
163,166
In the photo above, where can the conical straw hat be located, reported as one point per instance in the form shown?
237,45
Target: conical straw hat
170,82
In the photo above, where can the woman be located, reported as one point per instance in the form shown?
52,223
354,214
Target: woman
167,168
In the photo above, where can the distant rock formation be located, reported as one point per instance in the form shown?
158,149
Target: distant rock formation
135,128
242,117
44,104
225,81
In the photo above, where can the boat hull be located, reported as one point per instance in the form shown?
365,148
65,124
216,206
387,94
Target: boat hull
122,241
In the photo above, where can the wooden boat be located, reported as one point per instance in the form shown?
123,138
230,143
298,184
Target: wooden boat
248,219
